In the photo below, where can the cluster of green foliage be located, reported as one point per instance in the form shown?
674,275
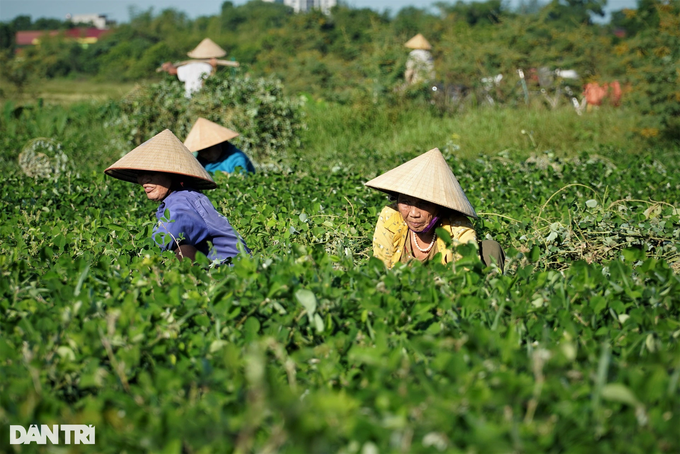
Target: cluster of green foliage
94,134
25,23
87,132
657,73
311,345
269,123
55,58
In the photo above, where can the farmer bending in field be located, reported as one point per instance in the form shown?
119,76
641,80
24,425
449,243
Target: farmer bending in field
215,152
420,65
171,175
426,196
203,64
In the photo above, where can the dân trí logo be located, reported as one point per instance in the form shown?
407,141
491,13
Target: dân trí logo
72,434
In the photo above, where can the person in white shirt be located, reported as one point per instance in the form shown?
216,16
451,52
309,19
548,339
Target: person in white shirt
420,64
192,74
204,63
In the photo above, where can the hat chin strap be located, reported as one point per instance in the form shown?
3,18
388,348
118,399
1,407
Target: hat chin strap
432,223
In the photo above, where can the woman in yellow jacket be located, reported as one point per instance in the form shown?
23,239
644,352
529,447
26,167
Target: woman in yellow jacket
428,197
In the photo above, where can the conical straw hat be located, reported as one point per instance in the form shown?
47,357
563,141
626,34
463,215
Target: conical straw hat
207,49
162,153
418,42
427,177
205,134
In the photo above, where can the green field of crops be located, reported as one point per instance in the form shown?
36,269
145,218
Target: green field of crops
312,346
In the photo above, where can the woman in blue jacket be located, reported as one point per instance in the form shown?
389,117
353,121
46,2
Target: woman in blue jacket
187,220
215,152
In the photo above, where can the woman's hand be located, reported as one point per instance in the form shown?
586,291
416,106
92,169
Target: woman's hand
186,251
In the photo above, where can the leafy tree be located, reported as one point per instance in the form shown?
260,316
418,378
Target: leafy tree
528,7
52,24
412,20
654,57
22,22
573,12
633,21
264,15
17,71
7,34
489,12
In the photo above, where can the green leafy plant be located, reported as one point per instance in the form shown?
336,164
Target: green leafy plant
655,65
269,122
311,345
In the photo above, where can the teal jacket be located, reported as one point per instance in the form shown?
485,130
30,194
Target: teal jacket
231,158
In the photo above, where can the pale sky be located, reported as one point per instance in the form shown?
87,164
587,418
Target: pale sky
118,10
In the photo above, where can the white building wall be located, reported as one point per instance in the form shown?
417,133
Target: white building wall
300,5
98,20
307,5
325,5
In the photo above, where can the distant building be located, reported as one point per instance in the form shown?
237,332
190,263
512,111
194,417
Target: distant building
307,5
99,21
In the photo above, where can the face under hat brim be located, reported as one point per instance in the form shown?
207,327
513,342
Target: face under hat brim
189,181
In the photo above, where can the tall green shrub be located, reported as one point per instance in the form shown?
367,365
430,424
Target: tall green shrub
655,69
269,123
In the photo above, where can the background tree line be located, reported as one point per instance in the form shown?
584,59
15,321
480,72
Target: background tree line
358,54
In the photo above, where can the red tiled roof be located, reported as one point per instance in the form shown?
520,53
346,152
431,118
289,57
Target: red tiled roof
27,38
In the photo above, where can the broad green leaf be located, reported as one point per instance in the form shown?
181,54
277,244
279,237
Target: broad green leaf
318,323
307,299
619,393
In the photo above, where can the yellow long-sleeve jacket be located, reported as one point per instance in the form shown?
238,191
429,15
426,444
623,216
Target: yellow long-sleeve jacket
391,233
